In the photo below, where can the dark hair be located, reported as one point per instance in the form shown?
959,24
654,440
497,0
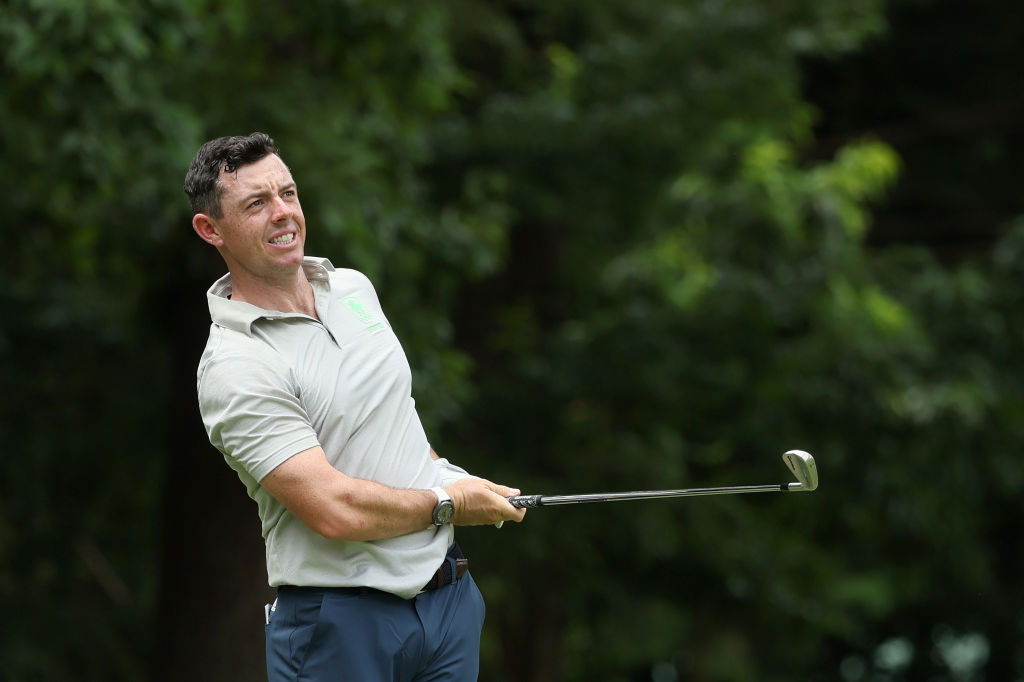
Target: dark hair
223,154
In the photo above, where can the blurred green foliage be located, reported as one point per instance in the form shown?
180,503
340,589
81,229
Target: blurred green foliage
615,264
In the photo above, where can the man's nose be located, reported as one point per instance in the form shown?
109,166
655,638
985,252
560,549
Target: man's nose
282,209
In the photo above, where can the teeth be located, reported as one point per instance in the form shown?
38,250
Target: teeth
283,239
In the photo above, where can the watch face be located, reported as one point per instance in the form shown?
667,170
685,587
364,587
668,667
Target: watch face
443,512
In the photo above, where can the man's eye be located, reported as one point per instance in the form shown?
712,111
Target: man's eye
255,203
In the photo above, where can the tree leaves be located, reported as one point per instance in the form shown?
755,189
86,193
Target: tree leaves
615,262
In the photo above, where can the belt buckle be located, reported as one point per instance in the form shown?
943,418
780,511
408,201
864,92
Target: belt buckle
451,570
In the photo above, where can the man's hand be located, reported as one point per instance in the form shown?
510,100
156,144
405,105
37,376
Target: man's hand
479,502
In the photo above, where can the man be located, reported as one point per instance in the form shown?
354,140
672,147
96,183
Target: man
306,391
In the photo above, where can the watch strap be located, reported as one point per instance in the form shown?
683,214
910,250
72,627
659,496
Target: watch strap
442,495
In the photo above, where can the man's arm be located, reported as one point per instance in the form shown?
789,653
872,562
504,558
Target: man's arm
345,508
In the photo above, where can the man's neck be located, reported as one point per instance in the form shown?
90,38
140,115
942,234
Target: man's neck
292,294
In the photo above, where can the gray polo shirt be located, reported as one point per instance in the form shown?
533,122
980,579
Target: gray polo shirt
273,384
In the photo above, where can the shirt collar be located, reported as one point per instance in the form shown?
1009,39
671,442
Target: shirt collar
238,315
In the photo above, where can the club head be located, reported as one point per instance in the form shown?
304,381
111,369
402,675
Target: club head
802,465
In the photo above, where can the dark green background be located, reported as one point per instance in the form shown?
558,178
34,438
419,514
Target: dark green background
627,245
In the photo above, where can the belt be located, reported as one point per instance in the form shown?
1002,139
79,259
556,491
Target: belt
454,566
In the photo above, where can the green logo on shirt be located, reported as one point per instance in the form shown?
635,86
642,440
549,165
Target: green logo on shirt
361,313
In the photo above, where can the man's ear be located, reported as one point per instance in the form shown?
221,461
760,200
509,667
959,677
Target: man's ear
207,229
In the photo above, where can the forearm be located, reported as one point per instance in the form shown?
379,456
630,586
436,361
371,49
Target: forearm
345,508
365,510
358,509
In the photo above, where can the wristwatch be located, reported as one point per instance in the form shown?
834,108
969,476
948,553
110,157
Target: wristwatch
444,510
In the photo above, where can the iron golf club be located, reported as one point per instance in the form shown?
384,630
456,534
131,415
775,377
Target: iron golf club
799,462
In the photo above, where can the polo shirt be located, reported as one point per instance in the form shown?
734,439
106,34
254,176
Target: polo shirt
273,384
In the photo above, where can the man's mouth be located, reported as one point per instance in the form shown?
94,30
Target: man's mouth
284,239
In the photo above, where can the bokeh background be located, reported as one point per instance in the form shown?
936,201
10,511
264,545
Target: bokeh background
627,244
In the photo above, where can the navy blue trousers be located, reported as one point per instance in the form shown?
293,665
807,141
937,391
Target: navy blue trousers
324,635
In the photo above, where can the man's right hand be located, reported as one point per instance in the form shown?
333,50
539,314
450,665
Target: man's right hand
479,502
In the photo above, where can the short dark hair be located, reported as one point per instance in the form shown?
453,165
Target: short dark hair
222,154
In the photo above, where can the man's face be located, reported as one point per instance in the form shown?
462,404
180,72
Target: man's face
262,230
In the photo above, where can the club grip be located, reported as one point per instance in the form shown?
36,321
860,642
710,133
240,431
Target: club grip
525,501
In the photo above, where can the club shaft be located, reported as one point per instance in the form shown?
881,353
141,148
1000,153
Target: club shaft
528,501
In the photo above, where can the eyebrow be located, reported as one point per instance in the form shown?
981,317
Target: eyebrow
245,200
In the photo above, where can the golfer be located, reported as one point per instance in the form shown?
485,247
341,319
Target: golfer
305,389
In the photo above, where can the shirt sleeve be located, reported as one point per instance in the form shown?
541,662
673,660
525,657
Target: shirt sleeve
449,472
253,414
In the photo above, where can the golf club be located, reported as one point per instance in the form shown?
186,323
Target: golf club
799,462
